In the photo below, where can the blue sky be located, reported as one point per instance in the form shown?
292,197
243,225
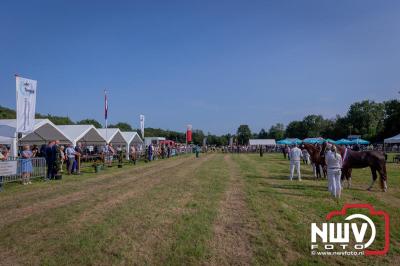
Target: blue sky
214,64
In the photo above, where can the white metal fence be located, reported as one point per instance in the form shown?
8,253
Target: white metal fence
38,170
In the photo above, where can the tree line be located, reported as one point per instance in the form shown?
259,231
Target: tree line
371,120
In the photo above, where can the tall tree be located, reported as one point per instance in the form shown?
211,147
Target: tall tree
296,129
366,118
243,134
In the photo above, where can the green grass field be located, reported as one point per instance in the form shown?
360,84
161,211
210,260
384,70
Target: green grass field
215,210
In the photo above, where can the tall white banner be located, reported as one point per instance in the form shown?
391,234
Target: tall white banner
26,104
142,125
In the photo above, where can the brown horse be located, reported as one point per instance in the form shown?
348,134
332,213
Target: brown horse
317,158
361,159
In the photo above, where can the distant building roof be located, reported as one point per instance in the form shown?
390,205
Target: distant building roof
264,142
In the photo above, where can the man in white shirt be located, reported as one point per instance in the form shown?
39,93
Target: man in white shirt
295,157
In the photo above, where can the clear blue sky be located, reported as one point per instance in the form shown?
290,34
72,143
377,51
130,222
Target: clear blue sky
215,64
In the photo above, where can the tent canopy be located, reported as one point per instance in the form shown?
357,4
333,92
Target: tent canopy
131,137
87,134
289,141
343,142
318,140
44,131
360,141
394,139
112,135
264,142
330,141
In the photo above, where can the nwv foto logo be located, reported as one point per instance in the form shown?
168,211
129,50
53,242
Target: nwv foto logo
338,236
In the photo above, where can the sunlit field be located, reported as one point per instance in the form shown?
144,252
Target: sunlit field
219,209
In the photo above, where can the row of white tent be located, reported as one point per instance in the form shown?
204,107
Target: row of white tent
45,131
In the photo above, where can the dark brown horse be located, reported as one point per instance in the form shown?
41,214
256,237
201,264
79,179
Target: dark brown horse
361,159
317,158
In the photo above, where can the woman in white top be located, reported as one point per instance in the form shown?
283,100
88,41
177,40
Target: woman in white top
334,165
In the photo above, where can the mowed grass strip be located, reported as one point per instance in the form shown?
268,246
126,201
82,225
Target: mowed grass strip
141,229
285,209
85,192
17,196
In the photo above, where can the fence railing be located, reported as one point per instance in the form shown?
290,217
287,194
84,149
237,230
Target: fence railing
38,169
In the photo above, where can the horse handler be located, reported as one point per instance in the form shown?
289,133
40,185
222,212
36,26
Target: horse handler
295,157
334,165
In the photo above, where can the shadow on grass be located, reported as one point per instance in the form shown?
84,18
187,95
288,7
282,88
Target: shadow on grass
300,187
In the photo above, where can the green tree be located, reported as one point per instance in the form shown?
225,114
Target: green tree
243,134
57,120
296,129
262,134
197,137
391,120
277,131
313,125
366,118
88,121
122,126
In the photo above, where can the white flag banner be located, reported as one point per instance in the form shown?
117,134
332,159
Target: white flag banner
26,104
142,125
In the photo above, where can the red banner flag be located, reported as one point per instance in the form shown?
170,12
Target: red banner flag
189,134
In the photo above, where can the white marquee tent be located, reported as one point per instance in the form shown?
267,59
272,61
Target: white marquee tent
262,142
87,134
392,140
131,138
44,131
112,135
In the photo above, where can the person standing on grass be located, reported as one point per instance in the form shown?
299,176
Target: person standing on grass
26,165
150,152
70,152
50,156
132,151
295,157
62,157
79,151
261,151
334,164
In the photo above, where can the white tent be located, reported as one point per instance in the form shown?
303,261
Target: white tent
131,138
112,135
392,140
44,131
86,134
262,142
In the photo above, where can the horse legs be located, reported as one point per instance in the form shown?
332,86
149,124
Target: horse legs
383,178
314,167
318,171
374,177
325,171
346,174
349,178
